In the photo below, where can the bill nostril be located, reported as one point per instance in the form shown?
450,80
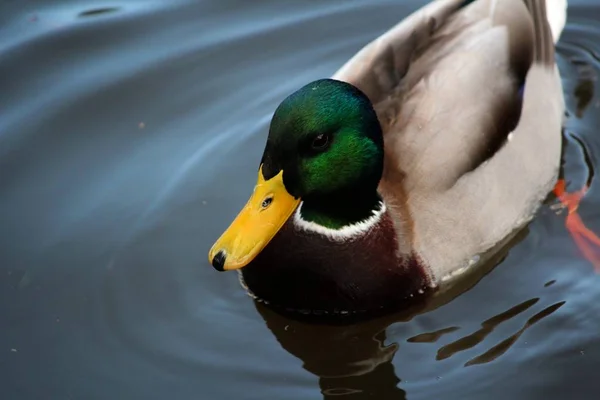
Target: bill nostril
218,261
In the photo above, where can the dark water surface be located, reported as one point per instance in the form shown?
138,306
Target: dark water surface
130,134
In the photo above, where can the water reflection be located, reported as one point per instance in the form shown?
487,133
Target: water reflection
349,360
504,345
98,11
432,337
584,92
487,327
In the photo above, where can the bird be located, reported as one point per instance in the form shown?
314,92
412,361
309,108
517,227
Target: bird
409,167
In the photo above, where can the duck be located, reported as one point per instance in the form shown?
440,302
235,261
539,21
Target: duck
410,166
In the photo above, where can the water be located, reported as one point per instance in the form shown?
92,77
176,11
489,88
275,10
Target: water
129,137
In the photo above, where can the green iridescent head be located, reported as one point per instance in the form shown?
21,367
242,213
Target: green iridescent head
325,149
327,140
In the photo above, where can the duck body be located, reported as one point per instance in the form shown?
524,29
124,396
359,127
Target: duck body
469,106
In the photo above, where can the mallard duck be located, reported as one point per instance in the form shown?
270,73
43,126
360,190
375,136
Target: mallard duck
426,151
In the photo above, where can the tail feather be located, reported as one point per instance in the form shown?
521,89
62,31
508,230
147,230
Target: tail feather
544,43
556,11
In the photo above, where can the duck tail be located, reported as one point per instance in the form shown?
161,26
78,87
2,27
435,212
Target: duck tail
548,21
556,12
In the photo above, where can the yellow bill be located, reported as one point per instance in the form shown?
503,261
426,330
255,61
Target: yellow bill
268,209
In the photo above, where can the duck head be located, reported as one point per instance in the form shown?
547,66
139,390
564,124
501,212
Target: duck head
323,158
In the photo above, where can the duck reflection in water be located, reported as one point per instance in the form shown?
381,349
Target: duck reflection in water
351,361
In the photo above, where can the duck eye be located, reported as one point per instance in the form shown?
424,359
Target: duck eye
266,202
320,141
